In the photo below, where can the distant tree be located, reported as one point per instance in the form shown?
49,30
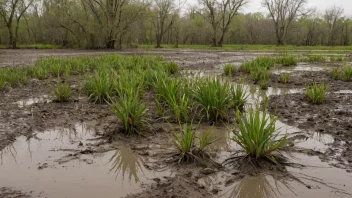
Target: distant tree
164,18
283,12
220,13
331,16
11,12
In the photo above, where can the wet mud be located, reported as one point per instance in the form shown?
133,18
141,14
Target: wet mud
50,149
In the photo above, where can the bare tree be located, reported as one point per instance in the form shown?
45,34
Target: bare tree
11,12
164,18
283,12
331,16
220,13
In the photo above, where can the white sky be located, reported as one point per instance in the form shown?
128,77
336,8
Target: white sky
320,5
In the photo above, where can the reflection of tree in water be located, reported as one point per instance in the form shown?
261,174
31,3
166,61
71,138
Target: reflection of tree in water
126,162
8,150
259,187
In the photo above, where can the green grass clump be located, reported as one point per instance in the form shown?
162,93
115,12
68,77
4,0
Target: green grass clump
286,60
316,58
41,73
264,84
335,73
257,135
213,97
173,96
2,82
129,83
260,74
188,150
347,73
316,93
172,68
284,78
337,58
239,96
99,87
230,69
62,92
131,112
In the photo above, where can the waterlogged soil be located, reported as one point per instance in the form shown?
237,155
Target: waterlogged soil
72,149
333,117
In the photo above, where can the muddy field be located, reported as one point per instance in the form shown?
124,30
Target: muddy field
50,149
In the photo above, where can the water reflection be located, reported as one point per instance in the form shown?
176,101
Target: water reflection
33,100
261,186
125,162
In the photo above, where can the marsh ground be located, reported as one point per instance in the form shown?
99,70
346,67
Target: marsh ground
53,149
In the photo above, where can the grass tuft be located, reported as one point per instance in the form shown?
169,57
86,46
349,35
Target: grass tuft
213,97
131,113
258,136
316,93
284,78
230,69
62,92
347,73
99,87
239,96
187,149
172,68
335,73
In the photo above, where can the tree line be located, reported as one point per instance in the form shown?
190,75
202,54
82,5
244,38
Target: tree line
116,23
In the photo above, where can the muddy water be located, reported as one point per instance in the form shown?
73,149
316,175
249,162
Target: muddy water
59,163
314,179
301,67
32,100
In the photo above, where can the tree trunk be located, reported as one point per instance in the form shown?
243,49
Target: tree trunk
158,42
12,43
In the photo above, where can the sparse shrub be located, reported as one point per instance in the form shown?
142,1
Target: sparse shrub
347,73
335,73
99,87
239,96
284,78
62,92
213,96
257,135
230,69
131,113
316,93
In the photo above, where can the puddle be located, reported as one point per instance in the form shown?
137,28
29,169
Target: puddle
33,100
344,92
47,165
301,67
316,179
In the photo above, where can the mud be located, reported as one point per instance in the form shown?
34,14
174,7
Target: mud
333,117
58,149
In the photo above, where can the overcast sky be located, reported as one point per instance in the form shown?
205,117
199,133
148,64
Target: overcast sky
321,5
